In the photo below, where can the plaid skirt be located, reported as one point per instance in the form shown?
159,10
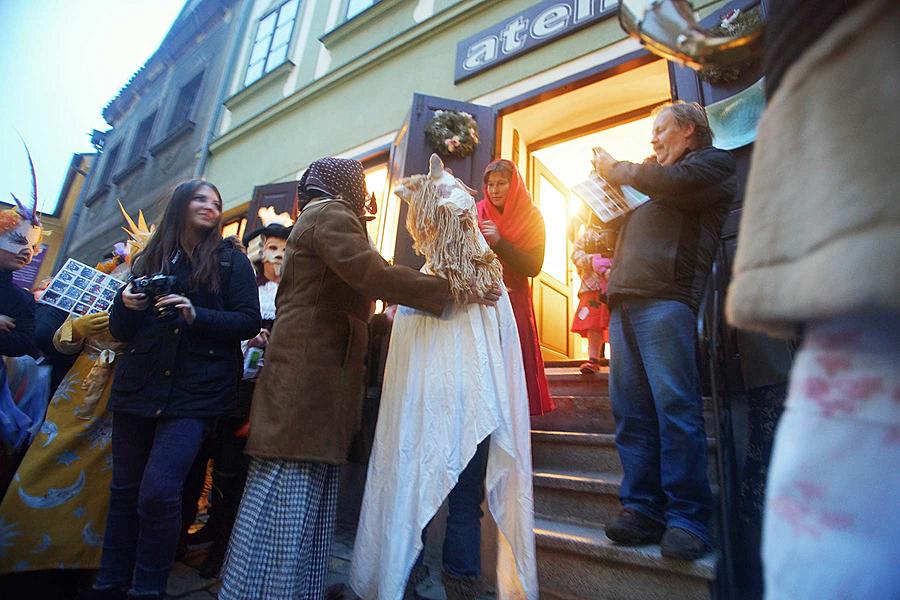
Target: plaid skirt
281,543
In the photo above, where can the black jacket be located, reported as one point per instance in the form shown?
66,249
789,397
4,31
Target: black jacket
666,246
16,303
172,369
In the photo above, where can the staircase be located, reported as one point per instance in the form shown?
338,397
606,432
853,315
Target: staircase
577,475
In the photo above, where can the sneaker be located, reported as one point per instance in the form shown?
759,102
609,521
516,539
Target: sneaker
631,528
681,544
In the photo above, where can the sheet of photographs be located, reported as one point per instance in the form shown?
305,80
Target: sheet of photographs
80,289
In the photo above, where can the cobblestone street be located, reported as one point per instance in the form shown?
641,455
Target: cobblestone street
185,583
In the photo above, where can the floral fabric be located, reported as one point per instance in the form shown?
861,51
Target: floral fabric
832,524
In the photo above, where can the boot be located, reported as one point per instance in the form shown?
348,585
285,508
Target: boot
460,588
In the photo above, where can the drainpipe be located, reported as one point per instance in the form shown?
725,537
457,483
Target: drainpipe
233,51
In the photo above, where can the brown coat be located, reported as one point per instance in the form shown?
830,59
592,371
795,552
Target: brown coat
308,399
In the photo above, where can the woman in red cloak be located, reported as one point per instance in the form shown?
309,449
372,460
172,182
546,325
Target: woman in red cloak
514,228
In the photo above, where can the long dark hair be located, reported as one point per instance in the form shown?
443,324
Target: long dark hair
169,238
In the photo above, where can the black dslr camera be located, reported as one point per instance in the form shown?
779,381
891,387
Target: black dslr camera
156,286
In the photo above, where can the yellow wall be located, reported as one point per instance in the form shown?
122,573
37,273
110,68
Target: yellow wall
55,227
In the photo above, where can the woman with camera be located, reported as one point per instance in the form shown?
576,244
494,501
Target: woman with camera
192,302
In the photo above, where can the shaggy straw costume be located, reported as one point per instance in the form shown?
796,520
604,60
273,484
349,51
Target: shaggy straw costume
450,382
449,239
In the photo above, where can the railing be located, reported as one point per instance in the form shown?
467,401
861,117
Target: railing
709,330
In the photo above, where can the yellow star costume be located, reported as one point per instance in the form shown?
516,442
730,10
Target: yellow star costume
53,515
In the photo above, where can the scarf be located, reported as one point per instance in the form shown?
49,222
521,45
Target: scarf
519,222
334,178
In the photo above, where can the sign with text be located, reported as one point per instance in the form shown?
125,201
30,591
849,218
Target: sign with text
542,23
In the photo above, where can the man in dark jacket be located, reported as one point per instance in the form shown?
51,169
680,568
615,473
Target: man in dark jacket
663,256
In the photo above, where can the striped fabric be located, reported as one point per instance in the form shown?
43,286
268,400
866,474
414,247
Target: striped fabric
281,543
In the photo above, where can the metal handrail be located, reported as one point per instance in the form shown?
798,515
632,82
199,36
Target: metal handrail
708,335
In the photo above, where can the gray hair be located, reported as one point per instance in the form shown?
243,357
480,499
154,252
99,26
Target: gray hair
689,113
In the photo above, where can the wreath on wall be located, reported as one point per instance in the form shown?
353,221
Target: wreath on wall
452,133
733,24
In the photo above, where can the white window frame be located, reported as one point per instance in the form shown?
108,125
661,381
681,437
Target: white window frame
280,20
361,10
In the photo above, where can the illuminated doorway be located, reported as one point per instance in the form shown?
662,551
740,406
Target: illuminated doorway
551,142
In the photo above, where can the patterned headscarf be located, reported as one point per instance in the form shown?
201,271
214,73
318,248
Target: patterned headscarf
334,178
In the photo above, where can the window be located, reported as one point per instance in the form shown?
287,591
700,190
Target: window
111,159
354,7
187,97
273,36
142,138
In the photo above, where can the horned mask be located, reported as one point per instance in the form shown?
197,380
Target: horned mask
20,227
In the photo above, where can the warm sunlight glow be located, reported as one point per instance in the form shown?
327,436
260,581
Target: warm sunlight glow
571,161
383,229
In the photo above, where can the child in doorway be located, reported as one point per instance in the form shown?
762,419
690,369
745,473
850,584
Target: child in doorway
592,258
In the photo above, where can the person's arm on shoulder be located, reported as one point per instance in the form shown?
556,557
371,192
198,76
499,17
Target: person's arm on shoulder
65,340
240,320
340,240
681,185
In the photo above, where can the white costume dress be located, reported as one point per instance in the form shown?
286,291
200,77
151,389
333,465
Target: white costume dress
449,383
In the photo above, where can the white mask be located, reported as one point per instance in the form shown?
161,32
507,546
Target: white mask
273,253
23,237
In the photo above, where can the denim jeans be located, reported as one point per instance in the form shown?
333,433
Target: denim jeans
462,540
151,459
655,391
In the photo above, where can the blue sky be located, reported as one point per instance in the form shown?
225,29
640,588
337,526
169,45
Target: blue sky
60,64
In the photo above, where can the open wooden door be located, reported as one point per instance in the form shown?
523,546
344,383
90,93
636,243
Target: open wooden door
410,152
552,288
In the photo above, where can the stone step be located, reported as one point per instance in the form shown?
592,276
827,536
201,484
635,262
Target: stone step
591,414
572,497
569,381
586,452
578,413
578,561
573,362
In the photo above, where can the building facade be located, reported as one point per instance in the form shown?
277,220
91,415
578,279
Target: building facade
159,124
546,80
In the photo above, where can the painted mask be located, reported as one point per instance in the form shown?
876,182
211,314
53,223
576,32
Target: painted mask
273,257
23,239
